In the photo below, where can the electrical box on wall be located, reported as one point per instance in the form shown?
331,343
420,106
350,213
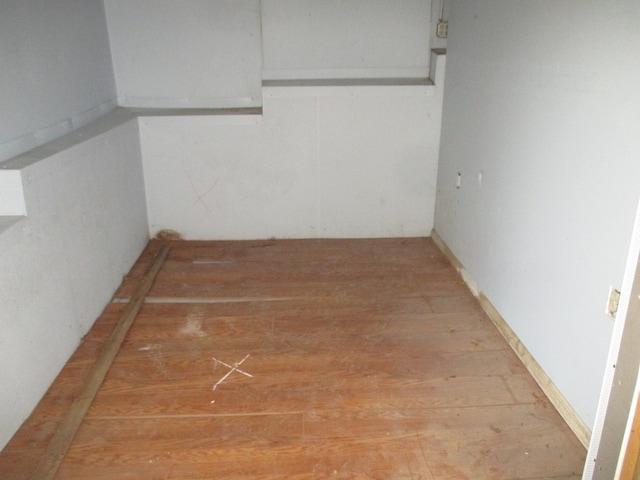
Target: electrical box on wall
612,302
442,29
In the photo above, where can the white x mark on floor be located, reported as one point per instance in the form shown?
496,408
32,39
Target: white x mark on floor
233,368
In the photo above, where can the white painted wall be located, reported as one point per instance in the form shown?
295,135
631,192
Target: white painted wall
188,53
344,163
82,194
60,265
542,101
320,162
56,70
345,38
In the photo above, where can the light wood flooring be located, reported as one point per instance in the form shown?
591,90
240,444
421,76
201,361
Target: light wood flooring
364,359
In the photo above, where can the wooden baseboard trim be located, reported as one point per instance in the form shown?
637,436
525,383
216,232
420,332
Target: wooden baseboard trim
554,395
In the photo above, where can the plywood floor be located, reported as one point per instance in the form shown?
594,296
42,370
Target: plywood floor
368,359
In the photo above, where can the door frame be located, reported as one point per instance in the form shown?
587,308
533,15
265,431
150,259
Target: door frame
614,417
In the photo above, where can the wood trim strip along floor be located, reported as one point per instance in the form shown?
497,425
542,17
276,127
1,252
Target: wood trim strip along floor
72,419
554,395
629,469
180,300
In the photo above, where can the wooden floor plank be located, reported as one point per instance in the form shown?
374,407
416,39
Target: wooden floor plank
393,459
374,362
520,441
